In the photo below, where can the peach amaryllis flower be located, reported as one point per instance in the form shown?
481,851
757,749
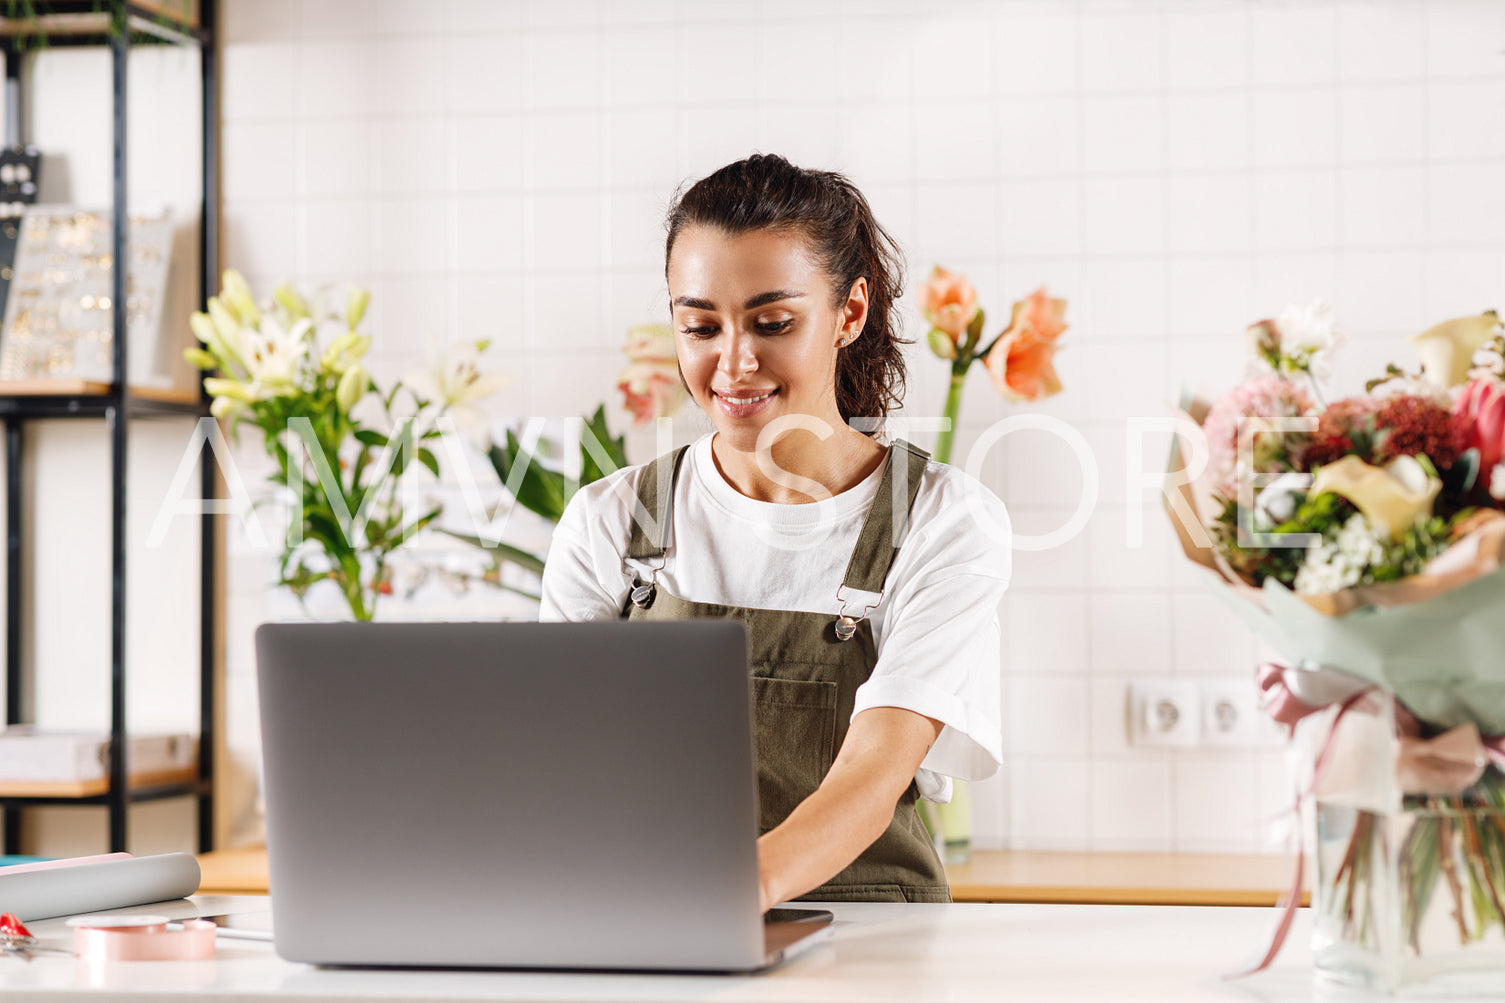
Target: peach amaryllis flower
950,304
1021,362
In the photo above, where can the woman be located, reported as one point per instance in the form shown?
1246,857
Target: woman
869,578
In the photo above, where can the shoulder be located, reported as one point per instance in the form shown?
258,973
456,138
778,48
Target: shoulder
607,503
957,522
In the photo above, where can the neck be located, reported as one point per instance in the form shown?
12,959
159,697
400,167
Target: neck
799,468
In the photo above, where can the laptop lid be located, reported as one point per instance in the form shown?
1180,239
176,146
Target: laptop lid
511,794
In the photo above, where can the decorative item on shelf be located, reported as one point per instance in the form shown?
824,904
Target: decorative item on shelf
1363,540
341,445
1020,361
20,174
59,317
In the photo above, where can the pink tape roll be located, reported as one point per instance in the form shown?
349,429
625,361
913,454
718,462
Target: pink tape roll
141,938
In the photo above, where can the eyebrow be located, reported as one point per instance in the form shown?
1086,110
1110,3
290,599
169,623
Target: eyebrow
762,299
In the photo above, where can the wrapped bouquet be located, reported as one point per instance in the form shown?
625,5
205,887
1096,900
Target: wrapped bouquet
1361,538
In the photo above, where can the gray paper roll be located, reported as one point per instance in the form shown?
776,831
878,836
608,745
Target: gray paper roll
98,887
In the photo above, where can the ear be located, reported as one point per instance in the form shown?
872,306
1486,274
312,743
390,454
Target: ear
853,314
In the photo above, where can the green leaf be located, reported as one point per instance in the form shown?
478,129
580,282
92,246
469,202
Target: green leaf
428,459
542,489
504,551
371,437
615,448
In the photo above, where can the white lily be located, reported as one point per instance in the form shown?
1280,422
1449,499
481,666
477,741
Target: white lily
455,380
272,355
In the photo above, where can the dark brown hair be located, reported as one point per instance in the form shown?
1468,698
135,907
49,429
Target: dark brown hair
767,192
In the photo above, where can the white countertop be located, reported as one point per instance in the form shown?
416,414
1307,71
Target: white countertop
908,953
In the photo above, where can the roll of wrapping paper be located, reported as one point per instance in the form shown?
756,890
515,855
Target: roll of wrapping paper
98,887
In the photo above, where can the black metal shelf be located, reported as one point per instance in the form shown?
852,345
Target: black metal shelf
142,404
96,22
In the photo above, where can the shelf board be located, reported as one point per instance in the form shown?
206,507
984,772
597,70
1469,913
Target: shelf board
63,21
89,388
92,788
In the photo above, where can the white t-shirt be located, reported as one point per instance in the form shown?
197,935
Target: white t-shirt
936,628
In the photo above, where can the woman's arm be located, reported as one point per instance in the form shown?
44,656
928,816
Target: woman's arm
851,808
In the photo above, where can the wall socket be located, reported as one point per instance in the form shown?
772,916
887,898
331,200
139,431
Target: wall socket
1174,713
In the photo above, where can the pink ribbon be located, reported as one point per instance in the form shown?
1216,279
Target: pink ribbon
1446,763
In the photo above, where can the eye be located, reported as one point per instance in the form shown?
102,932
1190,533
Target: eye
699,332
775,326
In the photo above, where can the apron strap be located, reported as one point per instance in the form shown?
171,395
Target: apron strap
881,531
655,501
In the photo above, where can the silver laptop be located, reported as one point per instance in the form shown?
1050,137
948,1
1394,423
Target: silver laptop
536,795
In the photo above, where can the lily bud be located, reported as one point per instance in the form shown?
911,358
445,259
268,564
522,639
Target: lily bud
355,308
353,386
334,357
238,293
224,407
203,327
233,389
200,358
290,301
225,320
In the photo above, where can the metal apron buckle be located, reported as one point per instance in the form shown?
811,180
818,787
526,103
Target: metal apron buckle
846,624
643,592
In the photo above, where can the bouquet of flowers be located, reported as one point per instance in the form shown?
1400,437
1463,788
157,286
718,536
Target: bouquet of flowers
1362,538
341,445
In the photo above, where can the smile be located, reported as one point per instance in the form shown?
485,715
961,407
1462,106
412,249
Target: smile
744,406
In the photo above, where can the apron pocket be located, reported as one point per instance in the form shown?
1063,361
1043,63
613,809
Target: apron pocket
794,728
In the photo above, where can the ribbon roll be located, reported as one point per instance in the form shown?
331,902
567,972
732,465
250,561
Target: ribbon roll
142,938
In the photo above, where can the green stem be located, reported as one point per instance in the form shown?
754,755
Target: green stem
943,441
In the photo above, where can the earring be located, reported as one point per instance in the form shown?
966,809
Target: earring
843,342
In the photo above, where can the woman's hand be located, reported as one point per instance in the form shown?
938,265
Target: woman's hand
852,807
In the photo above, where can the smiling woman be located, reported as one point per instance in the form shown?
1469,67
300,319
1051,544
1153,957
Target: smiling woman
868,577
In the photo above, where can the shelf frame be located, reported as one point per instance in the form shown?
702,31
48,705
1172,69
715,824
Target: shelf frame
118,404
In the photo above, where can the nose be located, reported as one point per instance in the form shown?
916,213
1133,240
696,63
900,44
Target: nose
737,354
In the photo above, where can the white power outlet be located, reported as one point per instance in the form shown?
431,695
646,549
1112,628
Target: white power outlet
1231,714
1165,713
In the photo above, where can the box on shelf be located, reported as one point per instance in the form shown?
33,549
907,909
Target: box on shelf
30,754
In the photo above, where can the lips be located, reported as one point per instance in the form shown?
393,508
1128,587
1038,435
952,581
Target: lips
740,403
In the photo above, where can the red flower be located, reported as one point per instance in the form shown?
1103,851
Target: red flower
1409,425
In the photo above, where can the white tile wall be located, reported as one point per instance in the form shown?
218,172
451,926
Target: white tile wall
1175,169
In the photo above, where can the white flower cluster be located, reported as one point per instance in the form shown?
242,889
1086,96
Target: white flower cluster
1339,562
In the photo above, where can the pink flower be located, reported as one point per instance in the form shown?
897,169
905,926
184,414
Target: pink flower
1480,417
1021,362
950,302
650,384
1265,396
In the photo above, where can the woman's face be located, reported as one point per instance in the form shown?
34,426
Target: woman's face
755,330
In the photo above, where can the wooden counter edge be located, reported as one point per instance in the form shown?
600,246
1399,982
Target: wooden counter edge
244,872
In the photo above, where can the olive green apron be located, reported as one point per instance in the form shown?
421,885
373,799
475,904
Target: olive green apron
805,679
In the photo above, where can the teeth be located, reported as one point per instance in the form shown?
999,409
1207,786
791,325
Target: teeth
743,401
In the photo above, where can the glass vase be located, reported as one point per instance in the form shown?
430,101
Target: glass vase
1413,898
